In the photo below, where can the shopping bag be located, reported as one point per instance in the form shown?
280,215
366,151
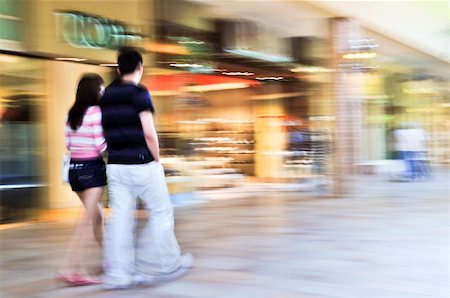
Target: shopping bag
65,167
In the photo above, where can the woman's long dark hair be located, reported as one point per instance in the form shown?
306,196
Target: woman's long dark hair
88,94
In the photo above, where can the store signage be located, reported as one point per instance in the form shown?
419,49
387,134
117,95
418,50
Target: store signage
88,31
246,38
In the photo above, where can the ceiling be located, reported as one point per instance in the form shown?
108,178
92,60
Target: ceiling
423,25
408,31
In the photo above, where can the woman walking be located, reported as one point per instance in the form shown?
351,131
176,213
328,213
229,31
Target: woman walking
87,176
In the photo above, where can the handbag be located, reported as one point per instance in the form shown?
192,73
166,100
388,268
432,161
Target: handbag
65,167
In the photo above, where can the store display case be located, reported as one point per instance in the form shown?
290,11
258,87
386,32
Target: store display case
210,153
229,140
307,154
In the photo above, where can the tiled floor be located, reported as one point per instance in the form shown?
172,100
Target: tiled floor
387,240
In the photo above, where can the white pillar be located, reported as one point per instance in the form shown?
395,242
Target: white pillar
346,92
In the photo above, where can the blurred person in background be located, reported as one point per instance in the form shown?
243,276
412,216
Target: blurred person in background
397,142
423,170
87,175
20,111
134,171
297,138
409,142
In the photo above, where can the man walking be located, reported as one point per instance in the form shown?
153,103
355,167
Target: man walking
133,171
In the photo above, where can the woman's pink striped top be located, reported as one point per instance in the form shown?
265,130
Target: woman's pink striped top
88,140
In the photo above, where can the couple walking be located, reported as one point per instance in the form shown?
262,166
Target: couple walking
119,119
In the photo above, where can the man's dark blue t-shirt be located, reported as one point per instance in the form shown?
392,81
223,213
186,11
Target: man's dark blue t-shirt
121,104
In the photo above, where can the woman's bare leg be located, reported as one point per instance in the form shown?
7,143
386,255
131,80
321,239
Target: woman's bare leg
97,224
91,216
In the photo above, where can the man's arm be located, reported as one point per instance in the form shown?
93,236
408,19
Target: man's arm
150,135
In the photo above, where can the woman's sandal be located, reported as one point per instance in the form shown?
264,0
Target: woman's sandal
76,280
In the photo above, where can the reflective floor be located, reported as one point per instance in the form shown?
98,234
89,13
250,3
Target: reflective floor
388,240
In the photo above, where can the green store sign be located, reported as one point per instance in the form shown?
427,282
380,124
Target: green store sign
88,31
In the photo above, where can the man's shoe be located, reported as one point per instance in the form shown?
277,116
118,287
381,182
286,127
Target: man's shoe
110,286
187,260
186,263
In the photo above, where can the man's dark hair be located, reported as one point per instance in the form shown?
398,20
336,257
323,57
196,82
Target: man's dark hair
128,60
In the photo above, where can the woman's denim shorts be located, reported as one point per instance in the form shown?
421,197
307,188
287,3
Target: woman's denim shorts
84,174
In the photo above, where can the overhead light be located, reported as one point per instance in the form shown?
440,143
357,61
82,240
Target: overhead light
70,59
191,42
421,91
270,78
238,73
363,44
322,118
365,55
311,69
217,87
186,65
260,55
109,64
9,59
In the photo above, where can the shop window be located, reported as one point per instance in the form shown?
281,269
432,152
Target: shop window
9,30
10,20
21,99
10,7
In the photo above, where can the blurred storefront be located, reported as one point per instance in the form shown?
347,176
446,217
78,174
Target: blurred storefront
403,92
423,101
243,124
21,148
45,48
241,93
